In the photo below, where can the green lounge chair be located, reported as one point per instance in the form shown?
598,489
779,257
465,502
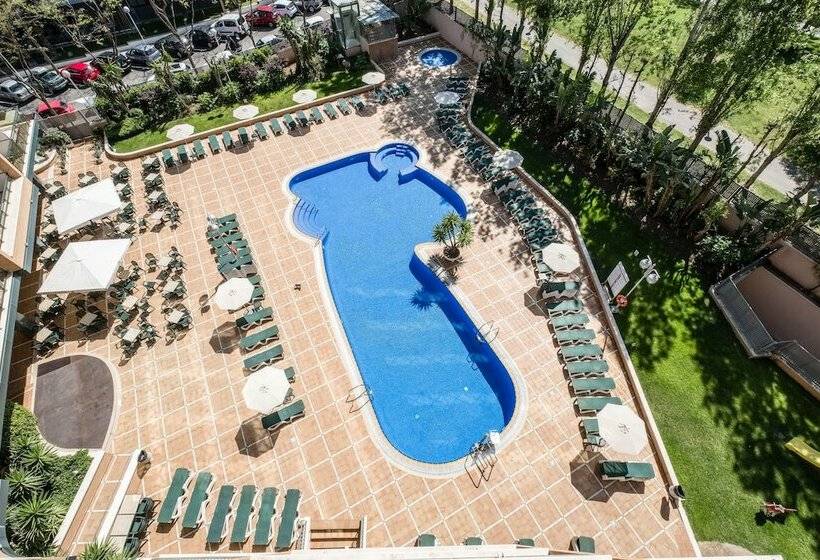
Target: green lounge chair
214,144
259,338
287,520
590,426
261,133
574,336
218,529
255,318
344,106
426,539
596,368
599,386
404,88
581,351
330,111
284,415
258,294
302,118
244,137
559,290
275,127
473,541
264,517
195,512
230,257
569,320
583,544
525,543
246,260
227,140
223,230
242,517
227,219
229,249
167,158
256,280
316,116
290,373
594,404
289,121
219,242
182,153
623,470
172,504
199,149
358,102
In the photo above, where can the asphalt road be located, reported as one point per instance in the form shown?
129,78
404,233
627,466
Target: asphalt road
83,95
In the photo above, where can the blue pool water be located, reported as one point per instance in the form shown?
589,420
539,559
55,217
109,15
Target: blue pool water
438,58
436,387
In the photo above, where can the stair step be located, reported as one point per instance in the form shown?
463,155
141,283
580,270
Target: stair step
328,545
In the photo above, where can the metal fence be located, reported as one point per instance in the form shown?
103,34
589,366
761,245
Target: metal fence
79,125
806,239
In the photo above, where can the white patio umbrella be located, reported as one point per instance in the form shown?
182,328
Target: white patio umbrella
233,294
304,96
179,131
265,389
622,429
86,266
245,112
447,98
561,258
373,78
88,203
508,159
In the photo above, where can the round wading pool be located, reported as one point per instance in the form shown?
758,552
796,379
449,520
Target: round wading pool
439,57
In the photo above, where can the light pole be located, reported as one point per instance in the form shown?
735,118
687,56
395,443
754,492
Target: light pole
127,12
650,273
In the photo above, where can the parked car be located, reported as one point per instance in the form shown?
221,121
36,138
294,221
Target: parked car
273,41
314,22
108,58
202,38
12,91
262,16
54,107
48,80
309,6
81,72
143,55
176,48
230,24
284,8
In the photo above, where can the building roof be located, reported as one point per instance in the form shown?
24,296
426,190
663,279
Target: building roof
373,12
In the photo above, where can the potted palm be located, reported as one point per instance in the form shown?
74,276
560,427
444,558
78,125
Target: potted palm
454,232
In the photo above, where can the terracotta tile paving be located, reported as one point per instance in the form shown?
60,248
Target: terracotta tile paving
182,401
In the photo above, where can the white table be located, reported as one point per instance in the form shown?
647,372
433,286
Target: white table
43,334
170,287
131,335
129,303
175,316
118,170
164,262
88,319
150,162
153,196
157,217
46,305
48,253
151,178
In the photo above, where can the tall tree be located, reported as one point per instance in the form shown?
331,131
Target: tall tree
621,17
735,60
161,9
543,15
592,18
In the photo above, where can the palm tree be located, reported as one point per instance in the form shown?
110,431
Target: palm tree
36,457
34,522
23,483
454,232
104,551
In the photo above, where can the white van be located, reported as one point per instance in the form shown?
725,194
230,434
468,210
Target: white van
285,8
230,24
314,22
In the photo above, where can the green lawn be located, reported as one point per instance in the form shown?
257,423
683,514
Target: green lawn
724,418
336,82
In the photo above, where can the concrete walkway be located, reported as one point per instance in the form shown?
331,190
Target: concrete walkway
684,117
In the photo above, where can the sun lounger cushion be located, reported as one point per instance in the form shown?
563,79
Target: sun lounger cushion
275,127
264,358
219,515
287,520
260,131
624,470
284,415
594,404
586,386
168,512
255,317
260,337
264,517
595,368
214,144
241,523
199,494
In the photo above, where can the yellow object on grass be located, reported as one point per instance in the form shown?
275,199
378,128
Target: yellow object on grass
806,451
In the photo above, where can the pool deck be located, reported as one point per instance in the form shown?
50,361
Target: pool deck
182,401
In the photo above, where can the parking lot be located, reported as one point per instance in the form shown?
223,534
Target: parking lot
84,96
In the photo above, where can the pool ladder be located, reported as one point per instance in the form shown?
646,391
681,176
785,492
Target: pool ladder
358,397
487,332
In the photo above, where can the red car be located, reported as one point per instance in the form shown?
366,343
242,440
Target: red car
262,16
54,107
81,72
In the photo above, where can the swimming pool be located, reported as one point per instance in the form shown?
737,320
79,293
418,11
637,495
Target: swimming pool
436,387
438,57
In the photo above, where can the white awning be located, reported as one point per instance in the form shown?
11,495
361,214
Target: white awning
86,266
89,203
